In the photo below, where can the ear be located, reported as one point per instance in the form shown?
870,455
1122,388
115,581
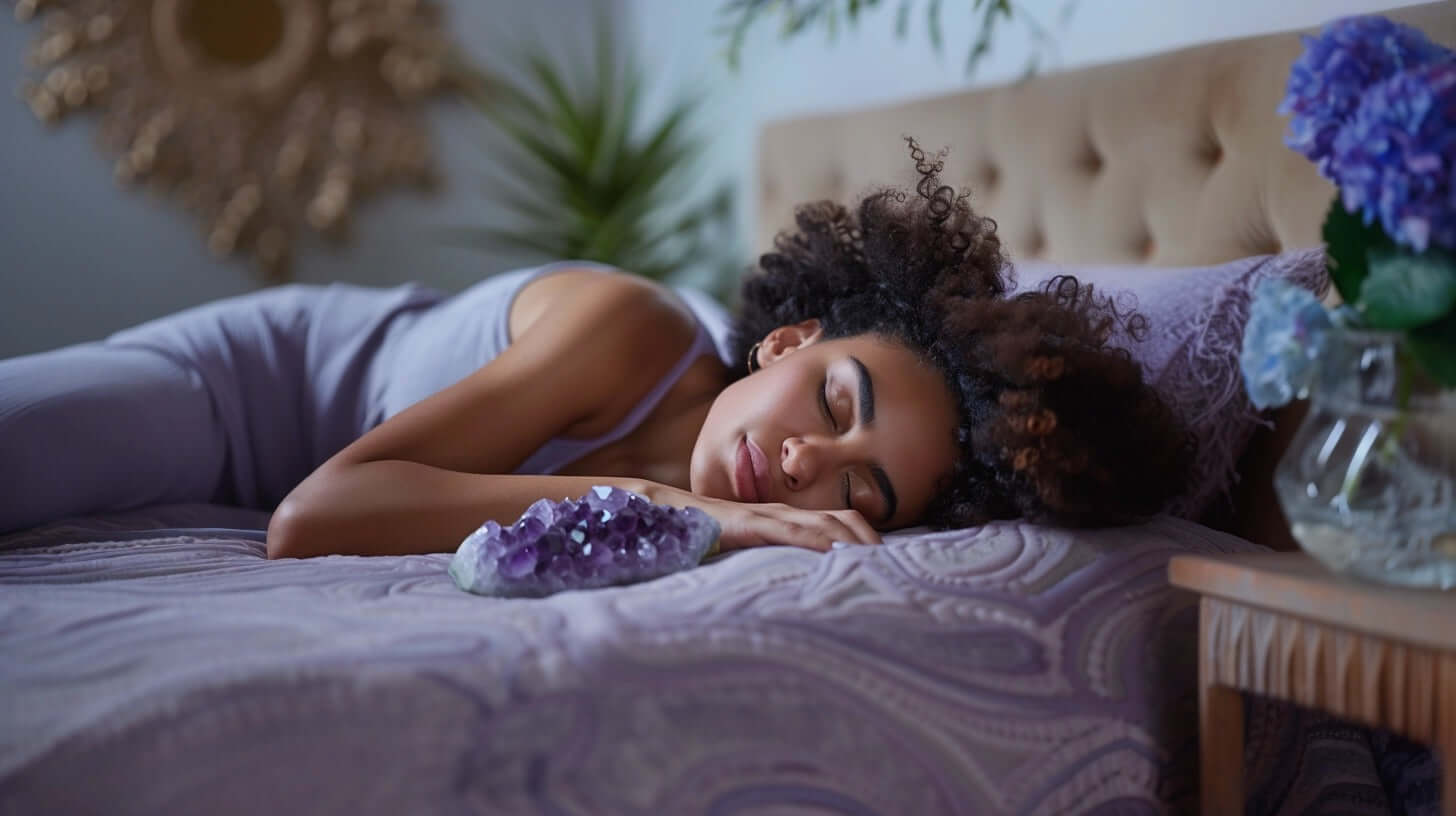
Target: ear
785,340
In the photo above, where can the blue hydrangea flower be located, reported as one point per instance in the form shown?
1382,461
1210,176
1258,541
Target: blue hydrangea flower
1283,339
1327,80
1395,158
609,536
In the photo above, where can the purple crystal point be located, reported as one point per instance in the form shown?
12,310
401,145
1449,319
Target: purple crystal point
517,563
609,536
609,499
542,510
646,550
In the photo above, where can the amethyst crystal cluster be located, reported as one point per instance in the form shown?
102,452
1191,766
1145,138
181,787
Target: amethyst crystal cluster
609,536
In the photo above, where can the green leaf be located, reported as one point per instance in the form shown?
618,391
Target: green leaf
617,145
559,162
1348,241
1404,290
496,238
932,14
1434,347
982,45
539,208
566,114
902,19
546,245
585,174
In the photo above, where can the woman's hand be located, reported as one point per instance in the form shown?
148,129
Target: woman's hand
758,525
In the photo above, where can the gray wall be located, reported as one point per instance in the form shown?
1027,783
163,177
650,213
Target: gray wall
83,257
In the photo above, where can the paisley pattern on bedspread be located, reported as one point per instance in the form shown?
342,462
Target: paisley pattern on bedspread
1007,669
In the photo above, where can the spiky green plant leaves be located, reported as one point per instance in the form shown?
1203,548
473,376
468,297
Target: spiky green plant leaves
593,178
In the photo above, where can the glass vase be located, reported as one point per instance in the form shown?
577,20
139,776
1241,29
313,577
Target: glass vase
1368,483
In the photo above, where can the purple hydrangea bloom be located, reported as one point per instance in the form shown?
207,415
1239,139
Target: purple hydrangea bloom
1326,81
609,536
1283,339
1395,158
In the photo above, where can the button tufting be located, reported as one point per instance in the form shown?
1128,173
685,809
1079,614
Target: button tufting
1035,243
836,182
1091,160
1211,153
989,175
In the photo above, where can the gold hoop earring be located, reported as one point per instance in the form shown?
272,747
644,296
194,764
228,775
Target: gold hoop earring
753,358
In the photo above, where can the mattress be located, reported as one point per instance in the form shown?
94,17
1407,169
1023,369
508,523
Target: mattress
155,662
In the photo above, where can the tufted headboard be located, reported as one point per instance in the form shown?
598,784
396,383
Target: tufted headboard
1170,160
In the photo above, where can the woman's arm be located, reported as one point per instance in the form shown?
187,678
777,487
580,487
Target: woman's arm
423,480
398,508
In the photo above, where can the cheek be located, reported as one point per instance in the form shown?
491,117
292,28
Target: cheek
747,402
727,410
926,454
732,411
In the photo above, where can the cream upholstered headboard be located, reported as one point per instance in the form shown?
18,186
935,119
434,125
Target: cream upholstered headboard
1173,159
1170,160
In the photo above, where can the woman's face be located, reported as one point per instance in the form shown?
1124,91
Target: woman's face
858,422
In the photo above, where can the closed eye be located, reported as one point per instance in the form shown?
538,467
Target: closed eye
824,405
833,423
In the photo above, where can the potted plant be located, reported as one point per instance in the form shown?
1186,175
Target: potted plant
593,177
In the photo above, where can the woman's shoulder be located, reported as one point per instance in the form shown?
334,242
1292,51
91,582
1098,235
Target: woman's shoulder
635,306
620,334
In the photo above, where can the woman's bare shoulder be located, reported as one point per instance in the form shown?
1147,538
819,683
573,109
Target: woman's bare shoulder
621,297
633,330
589,346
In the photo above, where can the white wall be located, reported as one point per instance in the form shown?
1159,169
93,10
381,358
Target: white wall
80,257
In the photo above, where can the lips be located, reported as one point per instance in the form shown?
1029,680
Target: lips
745,485
760,468
750,472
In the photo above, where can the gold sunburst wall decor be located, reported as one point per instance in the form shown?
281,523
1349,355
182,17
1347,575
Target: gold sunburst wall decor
263,117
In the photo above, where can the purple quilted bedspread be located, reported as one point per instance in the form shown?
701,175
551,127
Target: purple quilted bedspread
1008,669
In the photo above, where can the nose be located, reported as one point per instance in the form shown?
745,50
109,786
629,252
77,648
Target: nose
801,460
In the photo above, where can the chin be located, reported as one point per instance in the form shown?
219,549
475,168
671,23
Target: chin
700,470
707,486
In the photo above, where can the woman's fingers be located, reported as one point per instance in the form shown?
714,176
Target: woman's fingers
842,525
864,533
766,524
757,529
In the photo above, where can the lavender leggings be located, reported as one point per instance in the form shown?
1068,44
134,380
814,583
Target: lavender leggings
232,402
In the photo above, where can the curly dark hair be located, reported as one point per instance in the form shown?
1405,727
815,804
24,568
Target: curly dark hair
1056,425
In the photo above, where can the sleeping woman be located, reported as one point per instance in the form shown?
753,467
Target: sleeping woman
883,377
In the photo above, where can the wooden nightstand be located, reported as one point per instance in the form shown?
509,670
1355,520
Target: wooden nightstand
1281,625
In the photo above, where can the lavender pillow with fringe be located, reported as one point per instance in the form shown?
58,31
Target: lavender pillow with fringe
1196,319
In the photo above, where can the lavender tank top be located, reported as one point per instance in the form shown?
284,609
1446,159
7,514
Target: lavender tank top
428,350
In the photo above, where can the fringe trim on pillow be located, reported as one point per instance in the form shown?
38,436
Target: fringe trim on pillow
1213,391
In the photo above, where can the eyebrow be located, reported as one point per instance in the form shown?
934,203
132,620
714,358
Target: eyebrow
867,416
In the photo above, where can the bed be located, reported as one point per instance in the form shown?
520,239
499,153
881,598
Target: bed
154,662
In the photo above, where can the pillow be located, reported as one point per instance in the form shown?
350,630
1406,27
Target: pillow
1196,319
